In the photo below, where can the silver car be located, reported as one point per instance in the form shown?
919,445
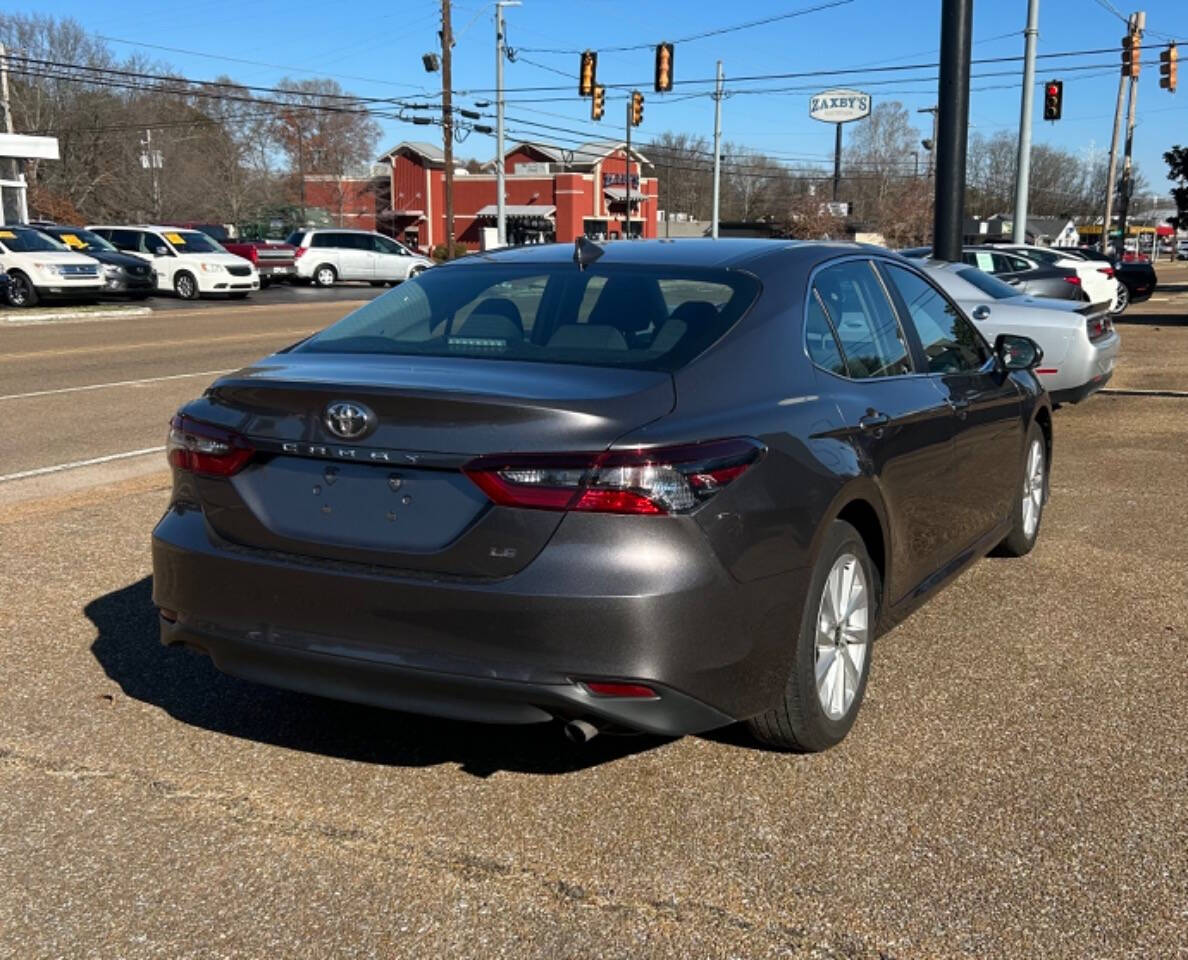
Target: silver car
1079,341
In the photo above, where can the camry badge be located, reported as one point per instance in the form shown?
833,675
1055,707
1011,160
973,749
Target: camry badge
349,420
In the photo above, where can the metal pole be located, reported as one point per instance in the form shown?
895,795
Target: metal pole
1023,165
1113,167
1140,22
447,122
952,128
500,184
717,150
627,165
837,144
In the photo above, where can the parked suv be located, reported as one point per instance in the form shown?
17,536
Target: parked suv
188,262
274,260
39,267
327,255
122,272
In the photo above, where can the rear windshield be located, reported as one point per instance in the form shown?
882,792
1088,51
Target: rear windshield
621,316
991,286
295,238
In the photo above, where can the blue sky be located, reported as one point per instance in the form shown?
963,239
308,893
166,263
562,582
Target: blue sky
374,50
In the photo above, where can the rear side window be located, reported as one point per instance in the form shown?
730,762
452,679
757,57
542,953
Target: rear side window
325,240
642,317
126,240
296,238
822,342
950,343
1019,265
856,303
991,286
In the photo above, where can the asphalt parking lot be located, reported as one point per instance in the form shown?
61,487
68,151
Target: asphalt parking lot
1016,785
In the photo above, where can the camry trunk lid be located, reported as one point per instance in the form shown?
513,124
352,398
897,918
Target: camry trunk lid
395,495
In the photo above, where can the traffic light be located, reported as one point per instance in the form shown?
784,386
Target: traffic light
636,108
587,74
1132,55
1168,60
1053,99
663,67
598,102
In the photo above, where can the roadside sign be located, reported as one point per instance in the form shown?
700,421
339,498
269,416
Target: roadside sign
839,106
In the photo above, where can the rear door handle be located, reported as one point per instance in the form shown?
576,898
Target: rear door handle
874,420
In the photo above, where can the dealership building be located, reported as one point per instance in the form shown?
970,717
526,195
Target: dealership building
552,194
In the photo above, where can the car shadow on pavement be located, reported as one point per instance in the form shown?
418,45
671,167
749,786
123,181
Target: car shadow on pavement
189,688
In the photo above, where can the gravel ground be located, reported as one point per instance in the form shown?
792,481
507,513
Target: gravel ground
1017,783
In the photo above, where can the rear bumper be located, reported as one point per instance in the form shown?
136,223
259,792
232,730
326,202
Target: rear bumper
511,651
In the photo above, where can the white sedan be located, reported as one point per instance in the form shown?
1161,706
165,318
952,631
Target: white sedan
1079,341
1097,279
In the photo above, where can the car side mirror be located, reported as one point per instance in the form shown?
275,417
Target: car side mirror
160,251
1017,353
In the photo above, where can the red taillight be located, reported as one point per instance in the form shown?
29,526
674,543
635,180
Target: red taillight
253,255
610,688
1108,271
1075,281
1098,327
657,480
202,448
298,252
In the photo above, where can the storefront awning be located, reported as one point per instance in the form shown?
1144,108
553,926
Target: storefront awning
532,210
618,193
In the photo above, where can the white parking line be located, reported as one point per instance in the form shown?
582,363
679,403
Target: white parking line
59,467
113,383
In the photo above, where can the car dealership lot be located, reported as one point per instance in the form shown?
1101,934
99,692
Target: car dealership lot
1017,781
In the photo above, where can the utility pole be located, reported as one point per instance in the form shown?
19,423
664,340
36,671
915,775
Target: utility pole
837,145
1023,164
930,145
500,182
447,123
952,129
1140,23
153,160
4,89
627,164
717,150
1112,174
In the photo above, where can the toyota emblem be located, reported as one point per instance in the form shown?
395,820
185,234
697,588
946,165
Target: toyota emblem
349,420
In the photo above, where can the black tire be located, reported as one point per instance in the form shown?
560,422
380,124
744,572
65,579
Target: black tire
324,275
1020,541
21,292
799,722
379,283
185,285
264,283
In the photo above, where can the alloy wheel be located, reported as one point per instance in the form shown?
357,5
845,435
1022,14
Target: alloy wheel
843,632
1033,488
186,286
325,277
18,292
1123,299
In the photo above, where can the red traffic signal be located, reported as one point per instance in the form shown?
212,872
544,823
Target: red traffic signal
1053,99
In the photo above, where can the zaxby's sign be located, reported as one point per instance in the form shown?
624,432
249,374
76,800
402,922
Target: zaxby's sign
839,106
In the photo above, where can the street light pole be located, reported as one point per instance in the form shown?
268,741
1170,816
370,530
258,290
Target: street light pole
500,189
1023,165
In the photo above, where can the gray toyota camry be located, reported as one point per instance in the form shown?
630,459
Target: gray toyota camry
658,486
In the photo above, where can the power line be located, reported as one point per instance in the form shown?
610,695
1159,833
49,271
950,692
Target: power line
716,32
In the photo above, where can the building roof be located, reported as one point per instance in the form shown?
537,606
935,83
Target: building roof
426,150
544,149
593,151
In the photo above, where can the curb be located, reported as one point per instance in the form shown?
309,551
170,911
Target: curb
79,316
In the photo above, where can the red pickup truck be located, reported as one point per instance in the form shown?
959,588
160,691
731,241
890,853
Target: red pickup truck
274,259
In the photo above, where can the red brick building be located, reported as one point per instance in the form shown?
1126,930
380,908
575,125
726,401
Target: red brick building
354,202
552,194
